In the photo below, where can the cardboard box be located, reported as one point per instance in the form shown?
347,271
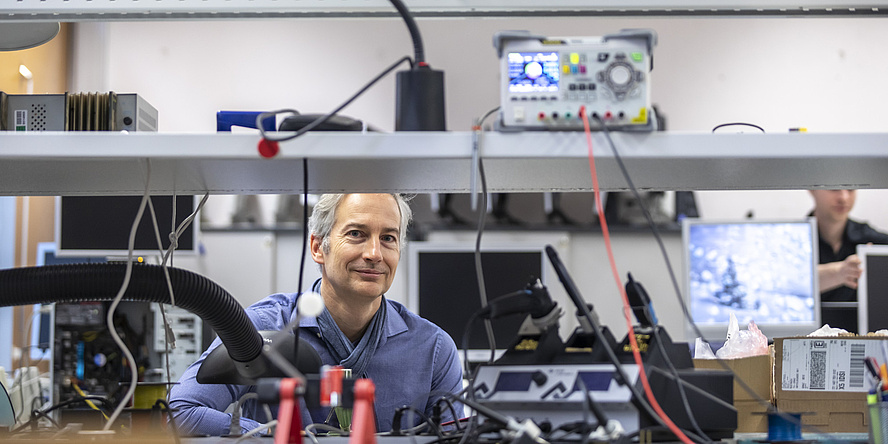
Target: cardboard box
751,417
756,372
825,380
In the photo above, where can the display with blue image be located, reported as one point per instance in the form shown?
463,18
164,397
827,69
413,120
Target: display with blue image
533,72
761,271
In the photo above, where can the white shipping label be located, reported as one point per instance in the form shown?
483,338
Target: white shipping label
827,364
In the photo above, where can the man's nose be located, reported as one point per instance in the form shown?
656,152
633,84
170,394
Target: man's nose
372,250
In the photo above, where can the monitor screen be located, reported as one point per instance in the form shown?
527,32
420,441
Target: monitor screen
872,288
762,271
443,288
533,72
100,225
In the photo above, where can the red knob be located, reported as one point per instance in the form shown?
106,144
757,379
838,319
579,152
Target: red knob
268,148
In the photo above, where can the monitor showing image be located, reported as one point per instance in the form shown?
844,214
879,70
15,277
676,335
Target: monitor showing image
443,288
762,271
872,288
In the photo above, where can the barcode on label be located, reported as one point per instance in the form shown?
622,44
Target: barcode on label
818,370
858,354
21,119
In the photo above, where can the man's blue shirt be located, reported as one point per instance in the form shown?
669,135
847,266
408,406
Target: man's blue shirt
416,362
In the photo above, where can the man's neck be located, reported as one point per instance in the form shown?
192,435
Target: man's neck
352,316
832,231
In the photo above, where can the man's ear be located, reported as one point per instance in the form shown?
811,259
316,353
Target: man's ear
317,253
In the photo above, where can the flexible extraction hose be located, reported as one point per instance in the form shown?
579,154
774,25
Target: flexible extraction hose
101,282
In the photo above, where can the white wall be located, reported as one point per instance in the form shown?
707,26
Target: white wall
819,73
825,74
779,73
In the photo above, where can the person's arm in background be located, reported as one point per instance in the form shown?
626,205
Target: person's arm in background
198,409
836,274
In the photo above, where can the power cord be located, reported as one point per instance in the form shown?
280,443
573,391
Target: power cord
478,167
651,401
723,125
656,232
320,120
399,413
45,412
418,49
128,356
295,328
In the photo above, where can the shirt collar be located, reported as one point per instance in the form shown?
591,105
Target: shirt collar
394,324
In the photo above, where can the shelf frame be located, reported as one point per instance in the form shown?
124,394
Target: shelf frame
132,10
75,163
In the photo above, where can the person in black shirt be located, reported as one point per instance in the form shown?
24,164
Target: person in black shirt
839,266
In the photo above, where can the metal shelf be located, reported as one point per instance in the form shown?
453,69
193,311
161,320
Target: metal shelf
66,163
105,10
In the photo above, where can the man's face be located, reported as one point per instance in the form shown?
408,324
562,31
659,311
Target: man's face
364,247
835,204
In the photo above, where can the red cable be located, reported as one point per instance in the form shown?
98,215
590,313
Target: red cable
626,309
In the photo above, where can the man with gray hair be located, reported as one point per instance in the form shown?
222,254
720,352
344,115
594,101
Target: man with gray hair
356,239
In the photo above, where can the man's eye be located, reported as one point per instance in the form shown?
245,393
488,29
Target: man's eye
353,233
388,238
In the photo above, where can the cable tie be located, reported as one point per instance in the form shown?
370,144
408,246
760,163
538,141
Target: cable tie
174,240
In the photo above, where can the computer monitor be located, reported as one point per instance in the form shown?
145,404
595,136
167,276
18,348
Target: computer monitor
872,288
100,225
443,288
761,270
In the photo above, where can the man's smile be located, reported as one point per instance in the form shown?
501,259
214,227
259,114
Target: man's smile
369,272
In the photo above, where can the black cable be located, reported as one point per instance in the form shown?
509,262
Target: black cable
452,408
738,124
470,394
618,366
37,414
68,402
482,210
172,420
482,217
304,243
399,413
479,270
599,414
61,404
320,120
657,236
418,49
446,439
304,221
465,345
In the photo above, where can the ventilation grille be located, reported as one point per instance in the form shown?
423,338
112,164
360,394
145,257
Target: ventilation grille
37,117
90,111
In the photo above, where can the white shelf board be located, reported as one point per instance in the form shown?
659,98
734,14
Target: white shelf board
130,10
73,163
